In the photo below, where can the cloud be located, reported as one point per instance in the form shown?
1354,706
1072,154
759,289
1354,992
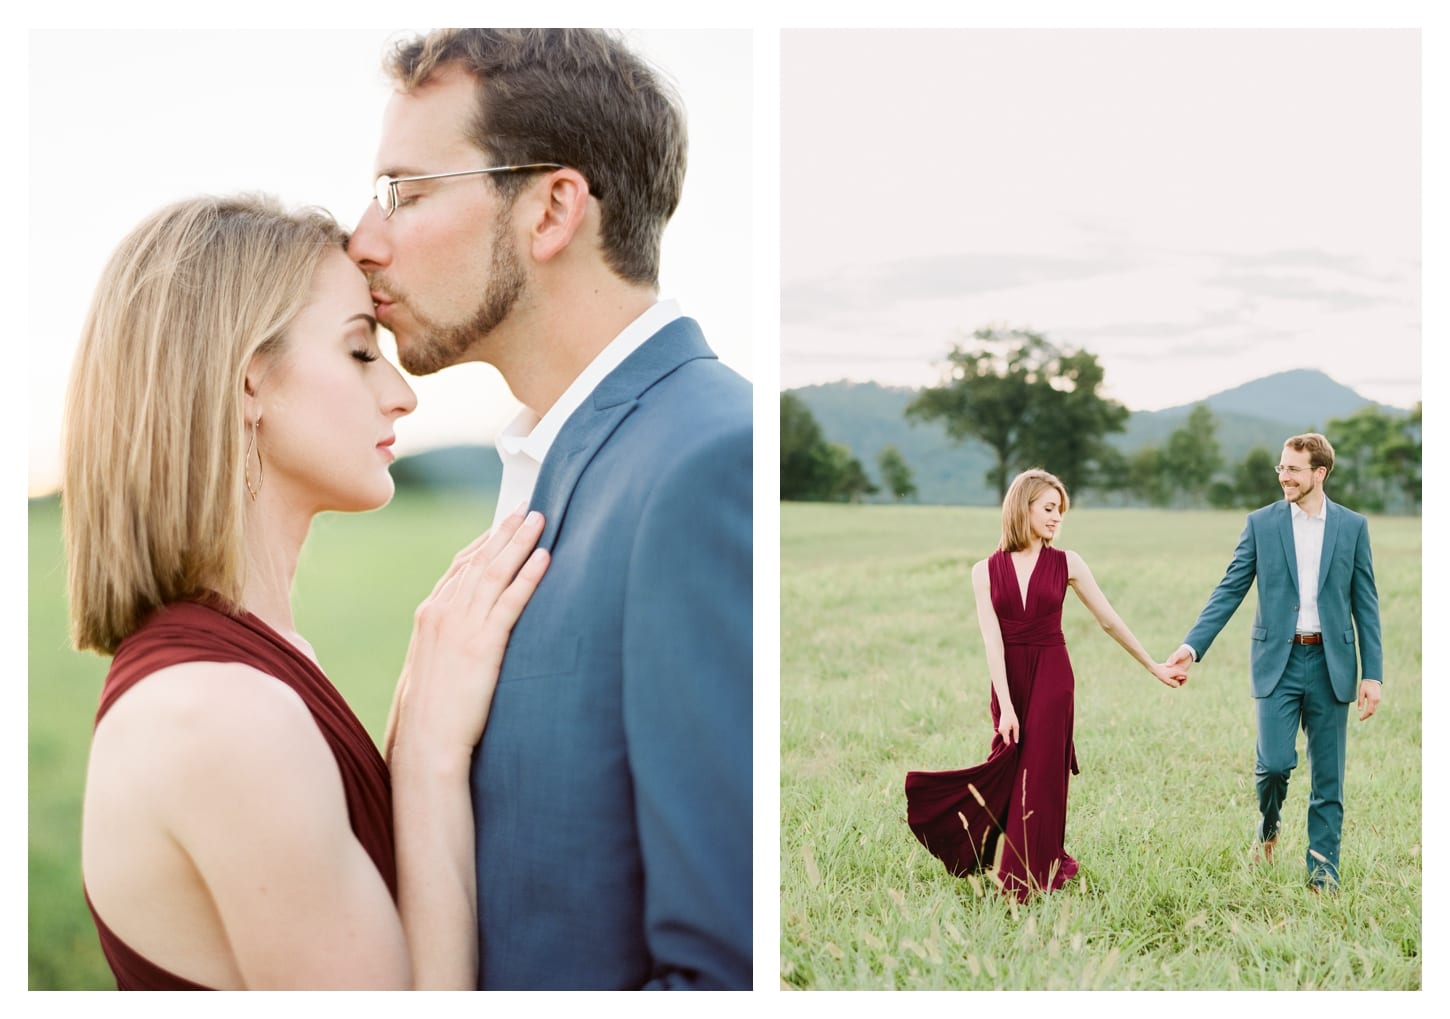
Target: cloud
909,280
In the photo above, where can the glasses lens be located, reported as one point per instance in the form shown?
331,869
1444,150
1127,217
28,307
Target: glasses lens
383,192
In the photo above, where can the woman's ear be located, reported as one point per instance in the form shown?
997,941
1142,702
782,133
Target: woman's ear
560,214
257,369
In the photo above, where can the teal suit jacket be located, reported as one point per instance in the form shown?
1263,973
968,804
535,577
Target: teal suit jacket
612,788
1348,602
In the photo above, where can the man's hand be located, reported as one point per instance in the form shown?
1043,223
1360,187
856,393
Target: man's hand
1369,697
1181,660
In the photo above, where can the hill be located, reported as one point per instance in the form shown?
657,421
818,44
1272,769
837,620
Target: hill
867,417
467,467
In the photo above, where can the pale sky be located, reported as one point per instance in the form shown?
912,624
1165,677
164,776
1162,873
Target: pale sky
1199,208
124,122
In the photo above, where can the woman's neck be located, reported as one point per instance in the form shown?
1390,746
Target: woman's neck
274,544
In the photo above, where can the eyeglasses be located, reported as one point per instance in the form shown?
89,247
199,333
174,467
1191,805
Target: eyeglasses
385,188
1293,472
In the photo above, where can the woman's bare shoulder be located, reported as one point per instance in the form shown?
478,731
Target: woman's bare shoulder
206,718
204,698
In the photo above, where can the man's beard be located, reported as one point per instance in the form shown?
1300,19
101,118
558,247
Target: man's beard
1301,493
437,346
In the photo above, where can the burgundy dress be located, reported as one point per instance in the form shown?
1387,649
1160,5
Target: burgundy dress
194,632
1008,816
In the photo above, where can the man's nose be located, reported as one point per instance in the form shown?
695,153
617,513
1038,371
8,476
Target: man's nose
367,246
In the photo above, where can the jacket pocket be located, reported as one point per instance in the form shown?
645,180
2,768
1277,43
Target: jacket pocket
1349,635
1258,633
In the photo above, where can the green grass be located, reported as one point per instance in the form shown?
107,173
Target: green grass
360,578
882,672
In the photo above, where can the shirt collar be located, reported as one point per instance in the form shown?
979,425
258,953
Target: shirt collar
532,436
1298,514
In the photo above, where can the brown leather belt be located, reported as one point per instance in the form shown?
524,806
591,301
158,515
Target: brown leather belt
1308,638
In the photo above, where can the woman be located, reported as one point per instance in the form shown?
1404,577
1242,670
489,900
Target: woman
239,824
1008,816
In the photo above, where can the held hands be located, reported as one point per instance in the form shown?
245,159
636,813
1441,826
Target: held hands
460,632
1169,674
1369,697
1174,672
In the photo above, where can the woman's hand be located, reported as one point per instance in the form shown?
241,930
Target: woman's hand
1170,675
1007,726
460,632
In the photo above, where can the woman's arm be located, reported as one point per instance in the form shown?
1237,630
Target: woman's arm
1007,724
1081,579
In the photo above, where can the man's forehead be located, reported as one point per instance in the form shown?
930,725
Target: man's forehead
426,129
1294,456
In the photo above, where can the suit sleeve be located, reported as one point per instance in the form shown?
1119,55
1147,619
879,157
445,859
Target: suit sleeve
687,715
1227,596
1364,604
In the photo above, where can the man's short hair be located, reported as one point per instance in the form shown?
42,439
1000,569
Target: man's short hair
1321,453
574,96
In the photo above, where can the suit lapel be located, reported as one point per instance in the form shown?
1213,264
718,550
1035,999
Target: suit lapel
1331,533
613,400
1286,535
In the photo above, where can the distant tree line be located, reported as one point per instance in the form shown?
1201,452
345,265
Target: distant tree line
1376,465
814,469
1034,404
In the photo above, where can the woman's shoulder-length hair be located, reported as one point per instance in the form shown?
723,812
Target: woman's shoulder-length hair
154,431
1025,487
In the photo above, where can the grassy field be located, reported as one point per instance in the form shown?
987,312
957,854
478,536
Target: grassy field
882,672
360,579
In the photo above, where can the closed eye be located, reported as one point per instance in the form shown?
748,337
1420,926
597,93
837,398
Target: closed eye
366,356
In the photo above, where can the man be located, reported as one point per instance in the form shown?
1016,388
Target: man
1312,561
527,176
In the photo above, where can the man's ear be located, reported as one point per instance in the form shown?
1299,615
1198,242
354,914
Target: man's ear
562,212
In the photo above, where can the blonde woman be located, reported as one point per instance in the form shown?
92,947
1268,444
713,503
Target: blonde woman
240,828
1008,816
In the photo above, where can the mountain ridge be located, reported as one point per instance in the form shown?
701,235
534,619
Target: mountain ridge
867,416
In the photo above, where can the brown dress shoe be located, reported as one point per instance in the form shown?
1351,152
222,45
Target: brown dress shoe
1264,851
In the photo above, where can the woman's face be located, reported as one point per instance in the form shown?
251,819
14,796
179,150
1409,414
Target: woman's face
329,401
1045,514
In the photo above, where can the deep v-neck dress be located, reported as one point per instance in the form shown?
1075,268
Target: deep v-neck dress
1008,816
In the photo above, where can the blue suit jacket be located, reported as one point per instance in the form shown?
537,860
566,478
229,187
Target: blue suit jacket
1346,592
612,787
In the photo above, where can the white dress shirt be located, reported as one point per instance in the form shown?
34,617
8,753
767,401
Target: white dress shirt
1308,548
525,441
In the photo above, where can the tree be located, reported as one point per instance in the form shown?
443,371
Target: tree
1073,425
896,474
1192,456
849,482
1255,479
1377,460
805,459
1028,402
813,469
1150,481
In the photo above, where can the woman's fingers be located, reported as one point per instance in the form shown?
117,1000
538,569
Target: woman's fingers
498,562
